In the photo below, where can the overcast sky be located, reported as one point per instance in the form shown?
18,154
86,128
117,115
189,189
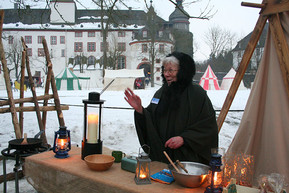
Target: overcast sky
230,15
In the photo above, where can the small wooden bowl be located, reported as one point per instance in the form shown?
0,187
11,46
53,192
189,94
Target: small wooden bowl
99,162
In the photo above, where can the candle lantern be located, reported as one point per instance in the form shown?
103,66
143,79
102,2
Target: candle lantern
215,176
91,143
62,142
142,173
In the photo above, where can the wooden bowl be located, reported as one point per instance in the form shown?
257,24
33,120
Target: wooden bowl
99,162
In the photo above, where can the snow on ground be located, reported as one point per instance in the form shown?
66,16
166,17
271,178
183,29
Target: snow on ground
118,131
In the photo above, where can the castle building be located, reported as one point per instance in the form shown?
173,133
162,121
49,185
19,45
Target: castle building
76,39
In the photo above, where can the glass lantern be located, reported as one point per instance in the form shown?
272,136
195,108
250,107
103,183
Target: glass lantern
91,143
215,176
62,142
142,173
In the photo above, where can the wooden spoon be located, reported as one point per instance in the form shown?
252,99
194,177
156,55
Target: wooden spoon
177,169
182,166
24,142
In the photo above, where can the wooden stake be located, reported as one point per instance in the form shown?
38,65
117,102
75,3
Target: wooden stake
25,109
242,69
32,86
281,47
7,82
21,117
29,99
48,78
53,86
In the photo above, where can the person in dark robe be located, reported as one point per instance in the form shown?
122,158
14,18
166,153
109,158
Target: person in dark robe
180,118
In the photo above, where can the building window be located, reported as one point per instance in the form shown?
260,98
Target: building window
102,46
29,51
78,46
158,78
91,46
53,40
78,34
91,34
121,47
161,33
91,60
40,39
158,69
158,60
162,48
145,34
62,39
10,40
41,52
144,47
28,39
62,52
121,34
121,62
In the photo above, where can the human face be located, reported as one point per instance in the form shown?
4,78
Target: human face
170,72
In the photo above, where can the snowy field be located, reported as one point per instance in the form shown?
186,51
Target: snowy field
118,131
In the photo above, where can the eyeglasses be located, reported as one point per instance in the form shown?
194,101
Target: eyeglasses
170,71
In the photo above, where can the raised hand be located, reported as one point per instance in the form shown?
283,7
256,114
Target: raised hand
133,100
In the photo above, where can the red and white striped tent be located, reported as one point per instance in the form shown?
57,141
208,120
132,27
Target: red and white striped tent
209,81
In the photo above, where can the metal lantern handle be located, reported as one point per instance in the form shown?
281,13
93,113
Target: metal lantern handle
145,145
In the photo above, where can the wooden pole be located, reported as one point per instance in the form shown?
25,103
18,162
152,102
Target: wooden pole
32,86
242,69
23,109
21,117
7,81
29,99
48,79
54,88
281,47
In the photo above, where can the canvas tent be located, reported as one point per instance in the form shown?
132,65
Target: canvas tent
123,78
209,81
67,80
228,79
264,126
263,131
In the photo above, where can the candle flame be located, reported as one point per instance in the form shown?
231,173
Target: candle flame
142,176
92,118
61,143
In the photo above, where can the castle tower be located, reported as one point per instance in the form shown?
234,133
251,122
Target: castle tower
180,18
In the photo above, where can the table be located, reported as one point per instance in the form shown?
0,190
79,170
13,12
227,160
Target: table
49,174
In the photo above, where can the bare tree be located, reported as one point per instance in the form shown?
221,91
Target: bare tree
114,54
13,56
219,40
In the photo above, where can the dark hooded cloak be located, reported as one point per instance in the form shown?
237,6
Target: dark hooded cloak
181,109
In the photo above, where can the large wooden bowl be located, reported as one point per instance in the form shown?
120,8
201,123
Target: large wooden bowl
99,162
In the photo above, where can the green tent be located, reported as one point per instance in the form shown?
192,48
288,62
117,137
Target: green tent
67,80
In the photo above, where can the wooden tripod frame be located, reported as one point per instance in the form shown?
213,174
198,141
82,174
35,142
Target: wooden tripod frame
270,10
18,126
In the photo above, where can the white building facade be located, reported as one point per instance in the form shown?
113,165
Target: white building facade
74,40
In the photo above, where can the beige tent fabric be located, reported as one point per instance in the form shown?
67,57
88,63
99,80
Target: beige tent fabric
264,128
123,78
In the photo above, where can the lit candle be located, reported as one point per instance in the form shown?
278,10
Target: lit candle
62,143
142,176
92,128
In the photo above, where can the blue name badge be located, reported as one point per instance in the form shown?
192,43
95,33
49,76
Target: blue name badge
155,101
